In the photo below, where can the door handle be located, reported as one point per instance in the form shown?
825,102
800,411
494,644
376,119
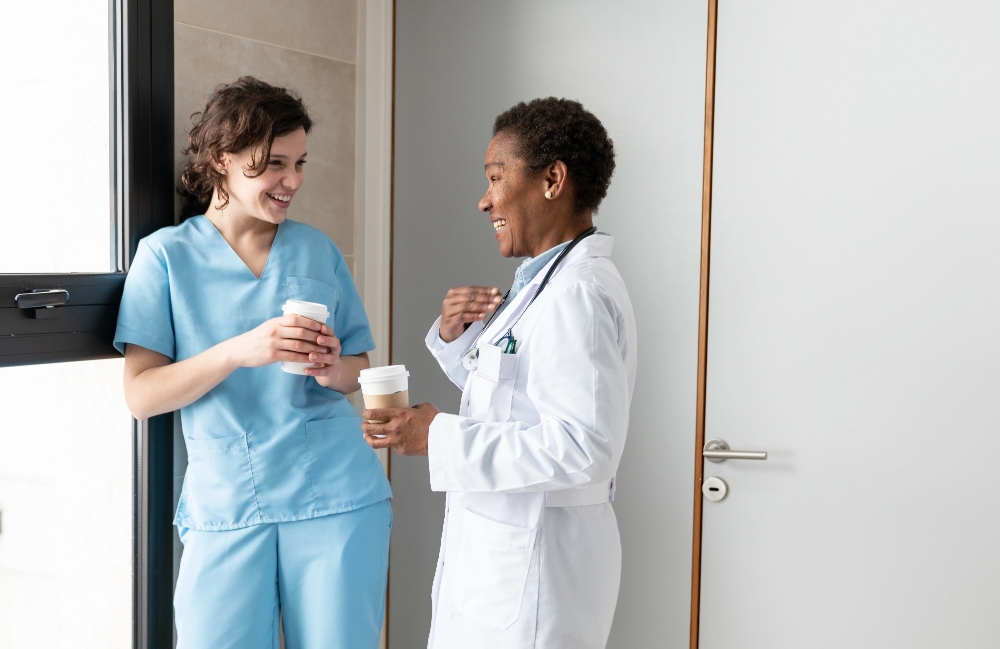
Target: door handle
716,450
41,297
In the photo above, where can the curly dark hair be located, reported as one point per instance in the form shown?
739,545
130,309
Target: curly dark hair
553,129
247,113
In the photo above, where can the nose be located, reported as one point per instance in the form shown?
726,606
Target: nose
485,203
293,179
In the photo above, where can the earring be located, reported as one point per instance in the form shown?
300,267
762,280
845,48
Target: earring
548,194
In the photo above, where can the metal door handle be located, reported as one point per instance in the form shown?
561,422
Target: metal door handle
716,450
41,297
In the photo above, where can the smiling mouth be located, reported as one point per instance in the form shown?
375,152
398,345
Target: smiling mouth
281,198
499,224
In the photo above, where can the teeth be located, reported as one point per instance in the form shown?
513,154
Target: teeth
499,224
284,198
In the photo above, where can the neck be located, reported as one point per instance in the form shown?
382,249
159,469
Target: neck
569,230
235,225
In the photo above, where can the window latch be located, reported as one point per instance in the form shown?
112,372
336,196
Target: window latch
42,297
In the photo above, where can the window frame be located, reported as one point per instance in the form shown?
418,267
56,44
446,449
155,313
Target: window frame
141,123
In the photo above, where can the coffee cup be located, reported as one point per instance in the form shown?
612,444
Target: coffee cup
385,387
311,310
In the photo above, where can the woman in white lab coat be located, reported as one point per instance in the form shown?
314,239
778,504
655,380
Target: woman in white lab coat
530,554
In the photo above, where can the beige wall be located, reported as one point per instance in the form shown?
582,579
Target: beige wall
309,46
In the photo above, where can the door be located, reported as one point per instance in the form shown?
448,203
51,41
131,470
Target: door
854,330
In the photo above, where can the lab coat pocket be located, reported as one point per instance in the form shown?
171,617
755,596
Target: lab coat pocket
218,485
492,569
491,389
312,290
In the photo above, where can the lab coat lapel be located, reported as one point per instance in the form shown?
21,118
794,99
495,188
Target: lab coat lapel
597,245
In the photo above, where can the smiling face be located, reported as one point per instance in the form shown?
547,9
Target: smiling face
515,200
267,196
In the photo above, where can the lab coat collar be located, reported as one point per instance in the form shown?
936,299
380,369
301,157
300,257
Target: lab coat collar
596,245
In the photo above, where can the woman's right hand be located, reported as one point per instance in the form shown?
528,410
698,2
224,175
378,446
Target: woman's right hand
464,305
288,338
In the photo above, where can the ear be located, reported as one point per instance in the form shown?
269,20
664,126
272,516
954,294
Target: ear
221,164
555,179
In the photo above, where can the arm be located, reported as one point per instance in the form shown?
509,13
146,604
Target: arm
154,384
343,376
449,355
462,313
578,380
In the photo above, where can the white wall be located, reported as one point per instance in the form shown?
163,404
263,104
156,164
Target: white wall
639,66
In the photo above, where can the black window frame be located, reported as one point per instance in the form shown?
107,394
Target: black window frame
142,190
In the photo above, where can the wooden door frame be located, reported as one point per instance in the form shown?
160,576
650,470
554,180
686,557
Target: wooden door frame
706,255
374,186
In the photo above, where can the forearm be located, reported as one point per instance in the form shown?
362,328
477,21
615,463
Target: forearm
345,379
509,457
157,390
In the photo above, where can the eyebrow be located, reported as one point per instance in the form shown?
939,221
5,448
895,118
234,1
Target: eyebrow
281,155
493,164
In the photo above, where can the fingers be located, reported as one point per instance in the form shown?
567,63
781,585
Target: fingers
377,442
382,414
470,303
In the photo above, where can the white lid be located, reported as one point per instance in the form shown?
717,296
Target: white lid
384,380
382,373
312,310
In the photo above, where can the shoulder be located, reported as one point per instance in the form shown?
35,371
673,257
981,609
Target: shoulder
589,281
167,241
307,234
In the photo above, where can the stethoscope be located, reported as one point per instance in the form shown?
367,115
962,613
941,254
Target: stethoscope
470,360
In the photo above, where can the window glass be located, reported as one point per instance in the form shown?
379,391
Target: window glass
65,507
55,70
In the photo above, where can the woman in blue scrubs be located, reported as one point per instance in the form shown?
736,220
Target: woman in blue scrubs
284,508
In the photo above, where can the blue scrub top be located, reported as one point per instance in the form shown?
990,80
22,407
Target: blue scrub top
263,446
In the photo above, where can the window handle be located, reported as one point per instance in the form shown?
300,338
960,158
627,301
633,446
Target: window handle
41,297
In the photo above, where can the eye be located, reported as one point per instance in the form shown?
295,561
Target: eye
275,163
300,163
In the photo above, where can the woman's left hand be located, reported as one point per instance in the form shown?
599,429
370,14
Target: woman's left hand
327,367
405,430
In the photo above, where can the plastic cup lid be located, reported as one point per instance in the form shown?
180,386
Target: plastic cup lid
312,310
383,373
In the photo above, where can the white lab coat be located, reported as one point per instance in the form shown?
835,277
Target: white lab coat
530,553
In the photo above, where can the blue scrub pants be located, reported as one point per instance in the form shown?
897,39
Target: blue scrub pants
326,576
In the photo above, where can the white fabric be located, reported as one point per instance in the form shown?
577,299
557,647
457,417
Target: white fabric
530,555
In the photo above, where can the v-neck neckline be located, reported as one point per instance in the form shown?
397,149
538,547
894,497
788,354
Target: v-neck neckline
270,253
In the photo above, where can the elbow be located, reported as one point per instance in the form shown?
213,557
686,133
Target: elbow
135,404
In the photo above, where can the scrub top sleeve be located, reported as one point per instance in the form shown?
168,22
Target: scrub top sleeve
350,322
145,316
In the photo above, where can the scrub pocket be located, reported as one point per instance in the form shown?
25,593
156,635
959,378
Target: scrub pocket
311,290
492,569
491,389
218,485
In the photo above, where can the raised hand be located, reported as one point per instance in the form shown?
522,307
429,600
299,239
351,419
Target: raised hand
464,305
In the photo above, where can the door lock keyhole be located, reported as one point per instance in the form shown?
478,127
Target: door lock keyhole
714,489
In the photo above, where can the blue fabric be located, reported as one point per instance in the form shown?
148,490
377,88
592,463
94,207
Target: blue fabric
263,446
531,266
326,576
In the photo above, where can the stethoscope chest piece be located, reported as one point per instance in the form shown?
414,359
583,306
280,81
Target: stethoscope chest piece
470,360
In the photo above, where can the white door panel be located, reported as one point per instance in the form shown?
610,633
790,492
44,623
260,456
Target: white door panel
855,326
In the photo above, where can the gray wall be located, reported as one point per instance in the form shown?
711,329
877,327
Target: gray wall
639,66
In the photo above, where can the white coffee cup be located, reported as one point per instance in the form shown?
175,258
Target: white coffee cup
385,387
311,310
